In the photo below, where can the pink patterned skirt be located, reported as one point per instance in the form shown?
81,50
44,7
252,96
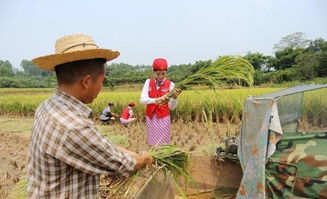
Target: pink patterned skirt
158,130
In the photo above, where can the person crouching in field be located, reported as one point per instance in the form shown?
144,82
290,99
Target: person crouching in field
67,153
128,116
158,115
107,115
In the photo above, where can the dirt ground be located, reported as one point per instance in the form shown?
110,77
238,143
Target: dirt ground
198,138
15,134
14,141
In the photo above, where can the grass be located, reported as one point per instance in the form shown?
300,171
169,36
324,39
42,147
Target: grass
20,190
10,124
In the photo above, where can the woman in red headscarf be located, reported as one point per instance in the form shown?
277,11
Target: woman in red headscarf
158,116
128,115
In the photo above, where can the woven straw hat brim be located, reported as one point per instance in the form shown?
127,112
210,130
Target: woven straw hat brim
48,62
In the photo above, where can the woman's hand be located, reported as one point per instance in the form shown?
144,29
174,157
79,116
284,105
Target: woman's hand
176,92
162,100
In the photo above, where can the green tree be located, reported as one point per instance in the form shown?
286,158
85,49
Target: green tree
317,45
9,82
259,61
30,69
306,65
286,58
271,63
118,73
200,64
322,67
6,69
318,50
179,72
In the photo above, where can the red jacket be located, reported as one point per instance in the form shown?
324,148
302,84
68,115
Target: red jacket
160,110
125,115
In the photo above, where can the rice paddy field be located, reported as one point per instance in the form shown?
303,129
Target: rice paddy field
199,105
200,122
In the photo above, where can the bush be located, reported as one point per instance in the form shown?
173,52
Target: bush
8,82
27,82
260,77
286,75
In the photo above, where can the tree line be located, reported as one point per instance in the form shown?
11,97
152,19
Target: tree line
295,58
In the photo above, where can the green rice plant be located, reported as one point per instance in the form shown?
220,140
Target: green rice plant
226,68
314,108
218,106
173,159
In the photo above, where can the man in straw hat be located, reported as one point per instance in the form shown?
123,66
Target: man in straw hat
67,153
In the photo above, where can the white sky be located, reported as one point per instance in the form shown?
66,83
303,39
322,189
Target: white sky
182,31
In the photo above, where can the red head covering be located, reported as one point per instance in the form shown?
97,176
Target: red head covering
159,64
131,104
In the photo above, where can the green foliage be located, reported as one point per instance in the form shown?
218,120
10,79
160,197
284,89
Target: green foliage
317,45
124,73
260,77
6,69
179,72
258,60
277,77
28,82
286,75
306,65
7,82
322,67
286,58
31,70
200,64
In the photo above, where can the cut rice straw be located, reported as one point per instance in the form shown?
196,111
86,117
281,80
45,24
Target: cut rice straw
168,158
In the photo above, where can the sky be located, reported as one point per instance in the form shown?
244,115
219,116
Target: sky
182,31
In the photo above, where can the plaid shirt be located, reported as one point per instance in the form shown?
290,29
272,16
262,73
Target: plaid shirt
67,153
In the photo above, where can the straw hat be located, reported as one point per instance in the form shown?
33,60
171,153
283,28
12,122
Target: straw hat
74,48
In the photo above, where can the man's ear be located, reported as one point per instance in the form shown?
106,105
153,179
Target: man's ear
86,82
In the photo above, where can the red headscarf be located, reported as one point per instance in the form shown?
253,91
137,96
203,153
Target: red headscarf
159,64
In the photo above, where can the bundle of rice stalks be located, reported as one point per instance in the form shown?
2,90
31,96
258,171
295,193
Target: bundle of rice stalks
226,68
173,159
168,158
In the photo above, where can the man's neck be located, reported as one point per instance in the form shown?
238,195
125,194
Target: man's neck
71,90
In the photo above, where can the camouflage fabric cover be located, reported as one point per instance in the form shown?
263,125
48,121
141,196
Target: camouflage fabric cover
260,131
298,167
